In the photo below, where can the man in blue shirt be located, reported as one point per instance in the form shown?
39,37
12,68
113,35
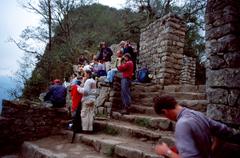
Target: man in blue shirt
56,94
194,132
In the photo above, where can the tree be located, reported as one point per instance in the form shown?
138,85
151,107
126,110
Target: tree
53,15
192,12
21,76
152,9
44,9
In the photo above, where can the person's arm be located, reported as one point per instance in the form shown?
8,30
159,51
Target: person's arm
118,61
223,132
123,67
110,53
86,88
164,150
65,91
48,94
80,89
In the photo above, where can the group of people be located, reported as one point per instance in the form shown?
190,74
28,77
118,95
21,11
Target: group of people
196,135
83,93
83,88
123,64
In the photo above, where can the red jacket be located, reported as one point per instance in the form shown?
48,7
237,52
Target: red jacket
76,97
126,69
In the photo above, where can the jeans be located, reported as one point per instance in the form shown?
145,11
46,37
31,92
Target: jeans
125,92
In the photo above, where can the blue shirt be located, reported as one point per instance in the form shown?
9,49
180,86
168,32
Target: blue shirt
194,133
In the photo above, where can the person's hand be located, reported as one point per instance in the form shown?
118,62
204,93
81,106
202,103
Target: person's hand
217,144
84,79
162,149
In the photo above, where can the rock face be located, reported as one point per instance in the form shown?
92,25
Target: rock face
161,51
22,121
223,52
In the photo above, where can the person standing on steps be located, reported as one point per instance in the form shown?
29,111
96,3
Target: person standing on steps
127,73
129,49
194,132
89,92
76,108
75,96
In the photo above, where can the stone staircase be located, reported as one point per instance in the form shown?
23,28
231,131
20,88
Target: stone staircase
128,136
190,96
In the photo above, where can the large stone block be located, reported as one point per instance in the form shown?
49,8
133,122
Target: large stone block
217,96
234,97
224,19
229,42
228,77
220,31
232,59
215,62
224,113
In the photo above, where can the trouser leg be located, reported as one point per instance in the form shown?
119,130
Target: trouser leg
125,92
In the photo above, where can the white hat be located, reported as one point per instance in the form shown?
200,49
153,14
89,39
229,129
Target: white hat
87,68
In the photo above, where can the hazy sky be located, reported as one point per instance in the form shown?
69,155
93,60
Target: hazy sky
14,19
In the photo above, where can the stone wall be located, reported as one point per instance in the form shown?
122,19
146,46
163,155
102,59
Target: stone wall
109,98
22,121
187,74
161,49
223,52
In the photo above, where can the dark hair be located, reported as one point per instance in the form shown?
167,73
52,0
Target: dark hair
66,79
78,82
164,102
89,72
127,55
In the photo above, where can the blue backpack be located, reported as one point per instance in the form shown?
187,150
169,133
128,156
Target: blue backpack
142,75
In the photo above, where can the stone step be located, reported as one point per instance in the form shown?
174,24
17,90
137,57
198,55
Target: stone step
152,122
185,88
146,87
120,128
148,97
58,147
118,146
194,104
169,88
198,105
147,107
141,109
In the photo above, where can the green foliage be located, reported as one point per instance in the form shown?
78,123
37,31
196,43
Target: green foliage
110,152
192,13
144,122
81,30
101,115
110,130
88,25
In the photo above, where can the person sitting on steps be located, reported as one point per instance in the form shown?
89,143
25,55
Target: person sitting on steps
56,94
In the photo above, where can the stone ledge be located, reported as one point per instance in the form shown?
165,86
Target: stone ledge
117,146
130,130
153,122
